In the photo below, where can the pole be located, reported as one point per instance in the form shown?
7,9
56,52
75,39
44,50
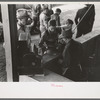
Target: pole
7,39
14,39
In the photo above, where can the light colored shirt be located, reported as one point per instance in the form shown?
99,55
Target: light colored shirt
24,34
43,20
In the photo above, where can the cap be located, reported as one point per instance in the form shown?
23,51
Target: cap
22,13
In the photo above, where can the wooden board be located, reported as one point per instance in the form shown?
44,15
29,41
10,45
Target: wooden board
51,77
48,58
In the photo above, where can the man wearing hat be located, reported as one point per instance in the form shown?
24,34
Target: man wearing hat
50,36
23,29
24,38
71,57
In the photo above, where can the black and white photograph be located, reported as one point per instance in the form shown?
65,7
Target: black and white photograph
50,42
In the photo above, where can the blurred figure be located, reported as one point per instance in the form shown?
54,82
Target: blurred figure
50,10
56,17
23,30
43,6
49,38
38,10
69,25
86,25
35,18
24,37
44,20
72,54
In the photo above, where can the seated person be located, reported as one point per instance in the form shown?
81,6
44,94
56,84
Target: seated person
71,57
69,25
49,38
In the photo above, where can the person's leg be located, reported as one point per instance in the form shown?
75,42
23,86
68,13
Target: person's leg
42,29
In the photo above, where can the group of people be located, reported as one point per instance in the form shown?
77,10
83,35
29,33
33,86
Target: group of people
56,38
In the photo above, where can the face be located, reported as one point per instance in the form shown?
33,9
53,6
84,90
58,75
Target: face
58,13
24,21
68,26
52,28
46,11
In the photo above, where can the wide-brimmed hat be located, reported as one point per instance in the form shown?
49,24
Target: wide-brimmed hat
22,13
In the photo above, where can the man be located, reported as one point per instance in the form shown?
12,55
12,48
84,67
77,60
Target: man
56,16
48,44
50,10
49,37
72,57
38,10
44,20
68,26
35,17
22,27
86,24
24,37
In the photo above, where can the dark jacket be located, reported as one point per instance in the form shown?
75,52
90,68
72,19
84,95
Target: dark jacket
57,18
49,39
72,58
72,53
86,24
